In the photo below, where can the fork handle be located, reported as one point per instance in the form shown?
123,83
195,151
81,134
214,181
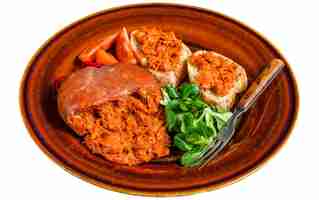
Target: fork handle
263,80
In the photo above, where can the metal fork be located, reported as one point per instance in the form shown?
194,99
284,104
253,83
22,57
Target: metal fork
249,98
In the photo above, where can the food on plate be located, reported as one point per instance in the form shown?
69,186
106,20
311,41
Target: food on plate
123,48
129,113
220,79
104,58
87,56
96,55
162,53
193,123
116,109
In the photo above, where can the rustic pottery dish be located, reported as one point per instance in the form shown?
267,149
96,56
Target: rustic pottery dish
261,133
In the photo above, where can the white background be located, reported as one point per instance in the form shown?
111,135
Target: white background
26,173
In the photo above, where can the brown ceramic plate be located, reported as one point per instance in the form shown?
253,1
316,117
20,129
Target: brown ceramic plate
263,130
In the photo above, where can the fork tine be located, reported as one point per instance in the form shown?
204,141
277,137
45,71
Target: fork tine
217,147
212,149
208,152
211,154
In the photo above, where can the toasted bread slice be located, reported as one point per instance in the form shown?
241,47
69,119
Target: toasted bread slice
168,77
227,101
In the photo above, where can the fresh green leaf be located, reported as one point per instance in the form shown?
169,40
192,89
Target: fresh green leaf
181,144
191,157
189,90
197,139
173,104
205,130
192,123
183,106
171,91
220,123
209,119
170,118
187,121
199,104
222,116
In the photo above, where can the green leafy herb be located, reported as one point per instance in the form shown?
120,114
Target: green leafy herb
170,118
190,157
192,122
171,91
181,144
188,90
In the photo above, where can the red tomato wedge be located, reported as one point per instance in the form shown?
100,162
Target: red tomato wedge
104,58
123,48
87,55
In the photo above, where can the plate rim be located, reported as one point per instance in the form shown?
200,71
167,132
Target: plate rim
180,192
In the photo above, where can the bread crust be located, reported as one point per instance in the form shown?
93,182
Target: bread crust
169,77
222,102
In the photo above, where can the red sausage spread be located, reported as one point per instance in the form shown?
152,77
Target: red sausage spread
117,111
